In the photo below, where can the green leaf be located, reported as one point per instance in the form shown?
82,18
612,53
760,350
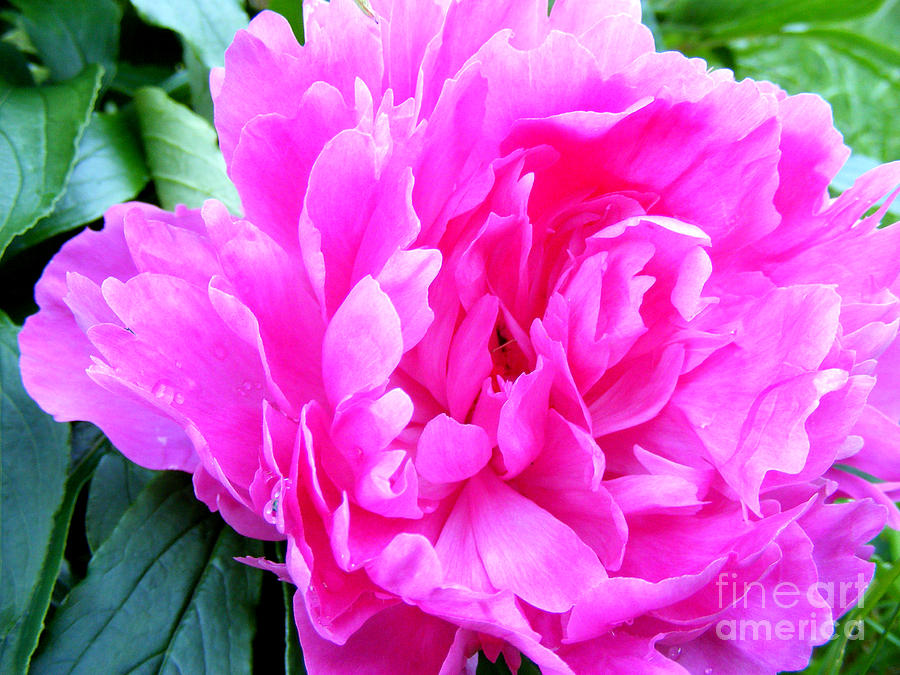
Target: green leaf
72,34
292,10
114,487
198,80
130,77
34,459
14,66
763,17
852,41
862,93
162,594
39,131
856,166
487,667
182,152
293,654
109,169
207,25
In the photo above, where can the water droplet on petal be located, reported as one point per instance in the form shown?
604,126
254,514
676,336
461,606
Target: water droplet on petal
179,398
674,653
163,391
708,671
179,364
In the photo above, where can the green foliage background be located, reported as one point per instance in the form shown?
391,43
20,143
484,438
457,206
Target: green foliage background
108,567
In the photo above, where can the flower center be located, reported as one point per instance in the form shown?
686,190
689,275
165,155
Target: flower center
509,359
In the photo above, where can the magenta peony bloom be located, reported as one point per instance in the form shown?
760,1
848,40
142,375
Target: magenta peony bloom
530,340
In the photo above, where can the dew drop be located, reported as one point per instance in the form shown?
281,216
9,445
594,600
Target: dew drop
179,398
674,653
163,391
179,364
708,671
247,385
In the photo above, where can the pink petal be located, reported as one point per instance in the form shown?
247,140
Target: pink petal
520,434
524,549
469,360
449,451
362,344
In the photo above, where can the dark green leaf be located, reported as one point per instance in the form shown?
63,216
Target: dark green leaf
182,153
198,79
292,10
72,34
130,77
763,17
293,654
207,25
39,132
162,594
114,487
14,66
79,472
34,461
109,169
64,583
486,667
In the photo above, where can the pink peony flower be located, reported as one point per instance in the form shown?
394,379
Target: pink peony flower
530,340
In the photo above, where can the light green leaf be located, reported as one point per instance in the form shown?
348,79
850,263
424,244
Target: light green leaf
207,25
763,17
72,34
34,456
862,94
114,487
855,167
39,132
182,153
162,594
854,42
109,169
